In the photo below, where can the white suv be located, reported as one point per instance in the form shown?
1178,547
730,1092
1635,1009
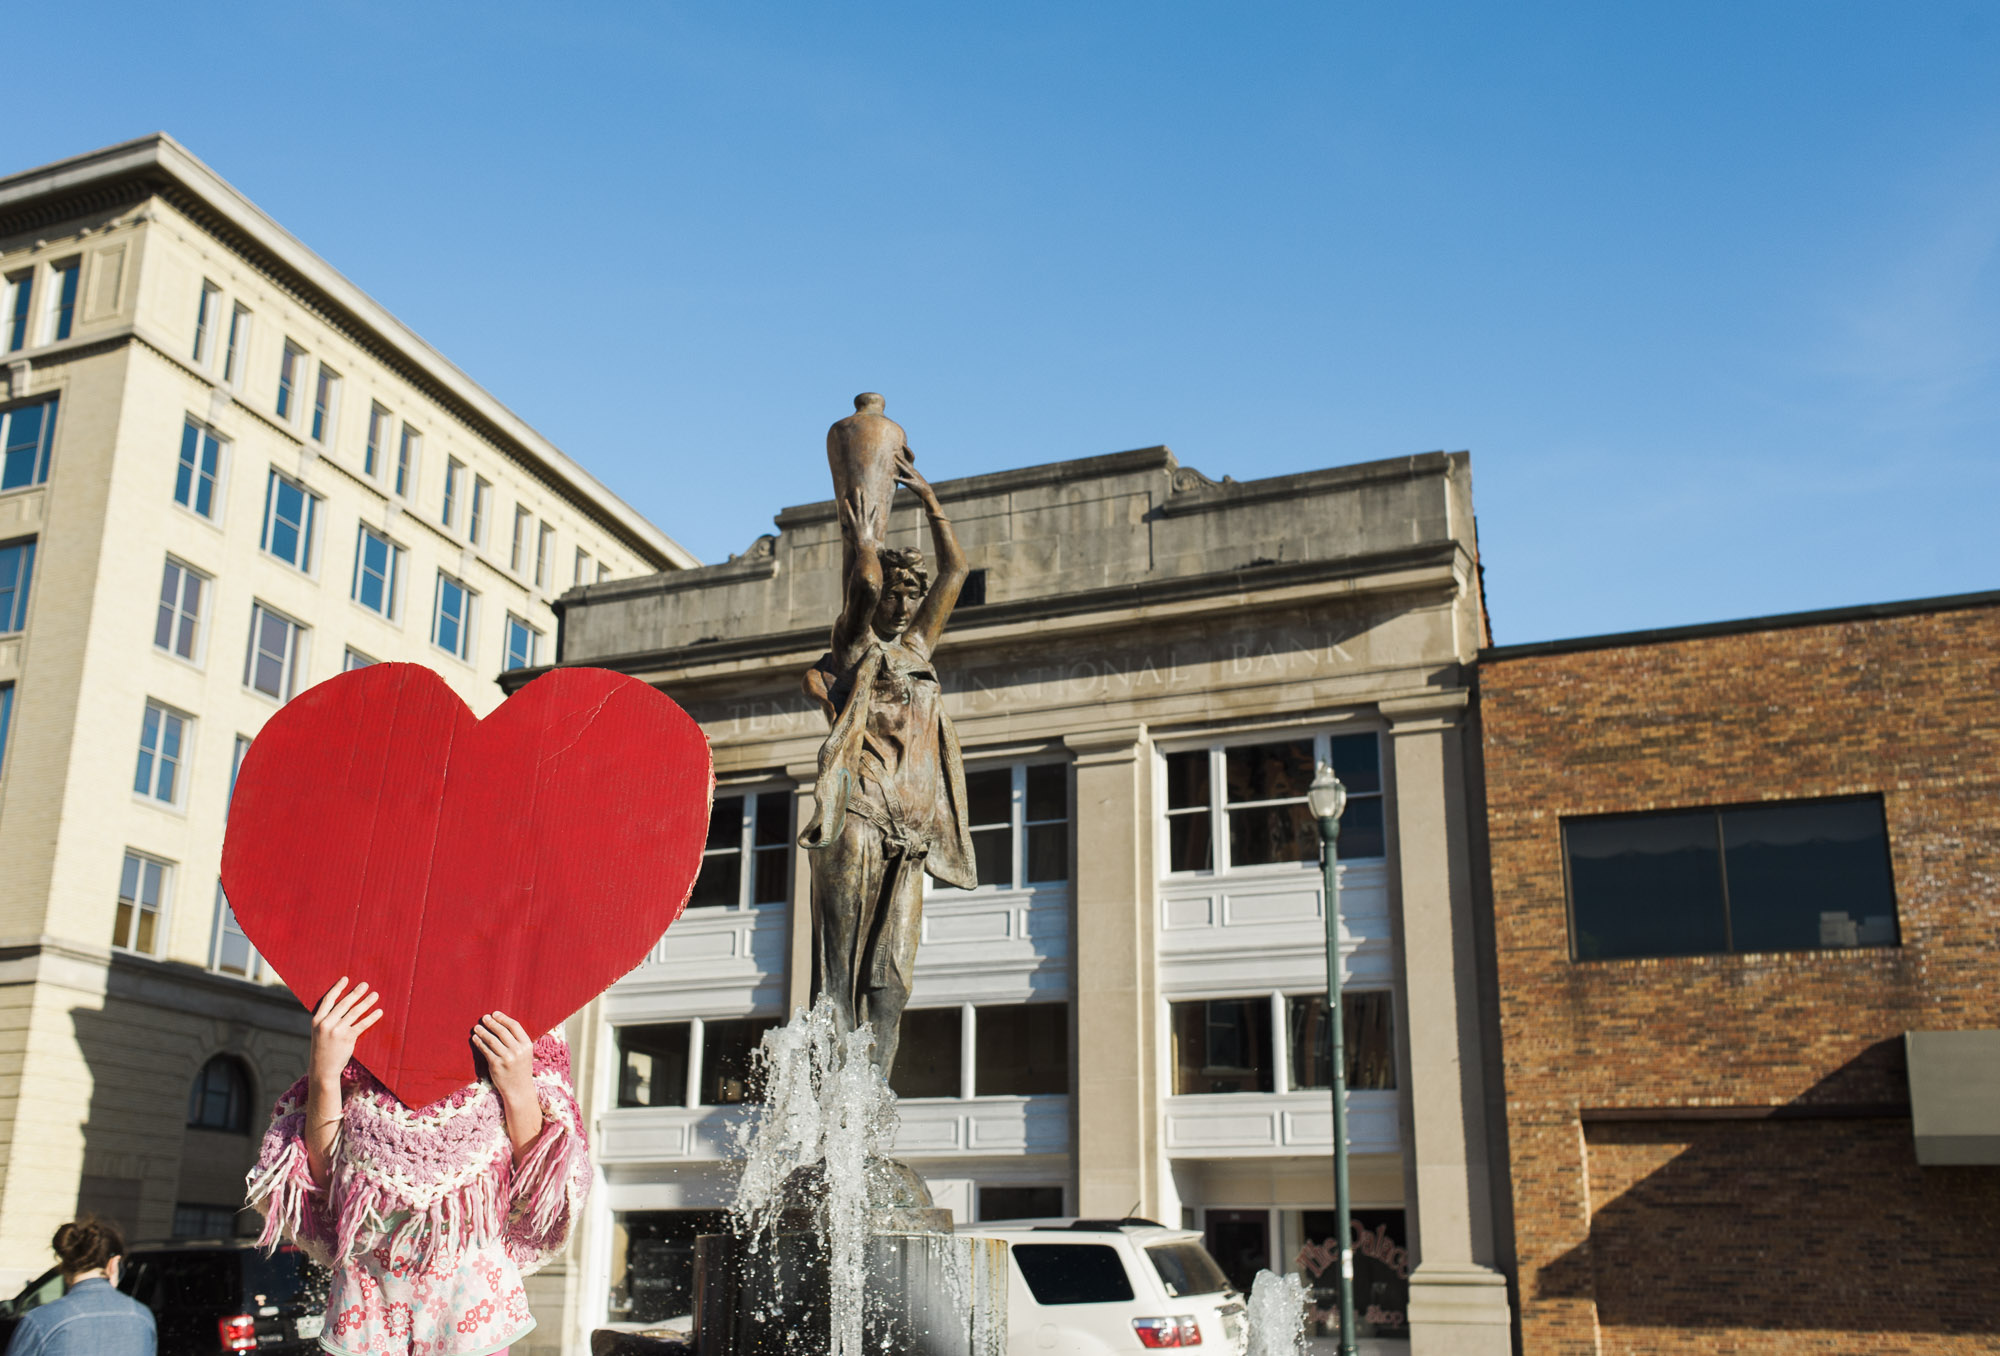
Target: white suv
1090,1287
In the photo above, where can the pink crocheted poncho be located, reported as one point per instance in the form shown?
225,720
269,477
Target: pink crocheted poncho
440,1177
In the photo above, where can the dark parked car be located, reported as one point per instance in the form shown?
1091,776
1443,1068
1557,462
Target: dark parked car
209,1297
227,1296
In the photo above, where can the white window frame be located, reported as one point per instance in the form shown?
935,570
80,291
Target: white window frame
746,848
482,502
582,567
323,420
308,529
160,717
291,662
286,400
453,468
203,434
1277,1005
235,766
236,345
1219,803
535,638
353,659
374,448
544,548
392,586
968,1049
520,553
45,441
225,925
466,622
409,455
52,308
162,907
179,615
1018,825
18,311
207,314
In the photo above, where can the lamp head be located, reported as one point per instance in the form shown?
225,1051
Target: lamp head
1326,797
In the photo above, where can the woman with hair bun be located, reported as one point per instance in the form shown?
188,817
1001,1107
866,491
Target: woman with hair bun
93,1319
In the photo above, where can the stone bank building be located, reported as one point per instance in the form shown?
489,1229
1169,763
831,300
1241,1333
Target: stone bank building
1126,1016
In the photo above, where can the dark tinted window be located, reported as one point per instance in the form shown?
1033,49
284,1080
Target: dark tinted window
721,880
1793,876
1222,1045
1187,1269
1072,1273
928,1053
1020,1202
653,1064
727,1069
220,1097
989,800
1022,1049
652,1262
1366,1020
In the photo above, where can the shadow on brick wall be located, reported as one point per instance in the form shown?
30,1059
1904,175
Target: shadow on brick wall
1815,1219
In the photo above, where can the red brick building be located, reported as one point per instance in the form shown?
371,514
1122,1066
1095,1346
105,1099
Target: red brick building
1731,867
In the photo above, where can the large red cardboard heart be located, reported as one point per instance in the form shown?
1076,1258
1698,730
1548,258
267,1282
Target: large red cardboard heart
521,863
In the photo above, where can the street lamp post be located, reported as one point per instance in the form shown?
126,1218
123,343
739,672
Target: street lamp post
1326,797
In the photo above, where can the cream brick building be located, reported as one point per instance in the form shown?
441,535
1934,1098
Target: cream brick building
228,475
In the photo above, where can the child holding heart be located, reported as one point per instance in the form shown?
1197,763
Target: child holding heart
429,1218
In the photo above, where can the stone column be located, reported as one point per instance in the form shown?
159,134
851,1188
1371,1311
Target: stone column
1458,1300
1115,1107
798,912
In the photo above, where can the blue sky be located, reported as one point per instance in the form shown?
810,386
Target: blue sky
1710,291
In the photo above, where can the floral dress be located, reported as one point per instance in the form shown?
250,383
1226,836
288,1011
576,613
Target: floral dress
427,1223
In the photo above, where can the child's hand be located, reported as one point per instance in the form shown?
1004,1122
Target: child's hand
337,1025
510,1063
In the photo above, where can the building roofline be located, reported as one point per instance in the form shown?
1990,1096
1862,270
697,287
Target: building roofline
1832,616
160,160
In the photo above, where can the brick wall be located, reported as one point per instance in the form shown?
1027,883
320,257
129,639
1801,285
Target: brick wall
1706,1152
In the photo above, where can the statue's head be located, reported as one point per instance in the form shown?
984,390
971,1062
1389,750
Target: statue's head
905,581
868,402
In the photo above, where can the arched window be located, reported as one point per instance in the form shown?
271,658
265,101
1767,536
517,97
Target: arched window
220,1098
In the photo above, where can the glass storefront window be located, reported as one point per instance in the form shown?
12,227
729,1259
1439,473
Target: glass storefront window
652,1262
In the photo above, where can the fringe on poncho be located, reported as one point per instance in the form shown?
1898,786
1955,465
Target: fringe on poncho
416,1181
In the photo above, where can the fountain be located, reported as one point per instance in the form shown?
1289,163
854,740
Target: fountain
836,1249
1277,1315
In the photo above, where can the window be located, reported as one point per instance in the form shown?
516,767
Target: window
27,435
1021,1049
288,377
229,951
1072,1273
1021,807
1222,1045
162,750
582,567
17,570
1017,1049
6,719
271,667
728,1073
482,495
377,564
142,894
653,1065
1261,817
239,339
235,766
603,572
62,308
353,660
544,548
288,521
193,1220
998,1203
1366,1025
524,644
406,460
652,1262
521,520
207,310
757,826
200,466
972,593
451,627
220,1097
1781,876
326,404
452,468
19,296
378,429
177,630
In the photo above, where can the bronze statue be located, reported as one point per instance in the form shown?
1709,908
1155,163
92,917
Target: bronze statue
890,800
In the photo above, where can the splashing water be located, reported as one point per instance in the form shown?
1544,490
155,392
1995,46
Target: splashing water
827,1112
1277,1316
